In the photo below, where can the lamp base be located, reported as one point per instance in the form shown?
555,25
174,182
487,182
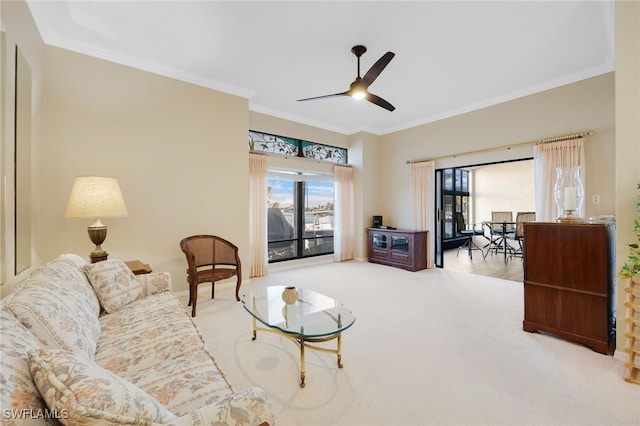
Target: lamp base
569,217
97,235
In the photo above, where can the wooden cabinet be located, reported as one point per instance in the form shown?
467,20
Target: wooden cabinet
402,249
569,282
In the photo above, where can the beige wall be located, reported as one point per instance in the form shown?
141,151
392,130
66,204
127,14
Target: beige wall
363,154
178,150
627,154
585,105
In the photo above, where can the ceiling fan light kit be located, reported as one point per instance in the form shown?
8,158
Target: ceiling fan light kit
359,87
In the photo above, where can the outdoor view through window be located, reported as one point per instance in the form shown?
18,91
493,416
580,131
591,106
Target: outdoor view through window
300,220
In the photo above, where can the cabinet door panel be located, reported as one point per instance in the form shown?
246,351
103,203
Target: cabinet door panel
573,312
572,256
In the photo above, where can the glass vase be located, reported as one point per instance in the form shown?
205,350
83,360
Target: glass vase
569,194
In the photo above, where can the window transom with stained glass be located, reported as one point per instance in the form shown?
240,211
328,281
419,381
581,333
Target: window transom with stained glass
281,145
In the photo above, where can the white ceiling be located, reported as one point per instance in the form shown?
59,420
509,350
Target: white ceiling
451,57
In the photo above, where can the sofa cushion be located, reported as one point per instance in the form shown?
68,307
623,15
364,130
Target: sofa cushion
77,387
57,304
248,407
114,283
145,333
17,390
185,383
154,283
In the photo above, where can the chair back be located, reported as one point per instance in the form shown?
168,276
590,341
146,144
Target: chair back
209,250
498,216
460,222
521,218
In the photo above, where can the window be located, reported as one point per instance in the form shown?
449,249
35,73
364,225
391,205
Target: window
300,216
455,194
281,145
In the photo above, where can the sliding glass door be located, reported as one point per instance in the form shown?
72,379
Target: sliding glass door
452,196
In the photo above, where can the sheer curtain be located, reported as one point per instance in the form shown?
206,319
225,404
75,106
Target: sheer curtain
258,174
546,158
423,202
344,240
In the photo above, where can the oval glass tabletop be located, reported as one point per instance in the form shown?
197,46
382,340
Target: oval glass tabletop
311,315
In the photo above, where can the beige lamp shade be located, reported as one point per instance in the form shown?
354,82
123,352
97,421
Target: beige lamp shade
97,197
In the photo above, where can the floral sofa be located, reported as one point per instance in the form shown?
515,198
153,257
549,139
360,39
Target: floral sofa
93,344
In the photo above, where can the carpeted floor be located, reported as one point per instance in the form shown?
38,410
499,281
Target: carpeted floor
428,348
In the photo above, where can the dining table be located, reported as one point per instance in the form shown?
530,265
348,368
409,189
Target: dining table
490,224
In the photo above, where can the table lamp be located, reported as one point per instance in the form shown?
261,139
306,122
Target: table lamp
96,197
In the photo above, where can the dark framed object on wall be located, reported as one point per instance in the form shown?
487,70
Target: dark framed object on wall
22,164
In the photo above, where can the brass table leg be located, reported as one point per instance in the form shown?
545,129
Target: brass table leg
302,375
255,330
255,326
339,351
305,343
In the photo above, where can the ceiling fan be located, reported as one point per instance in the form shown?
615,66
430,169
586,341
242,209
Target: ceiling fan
358,89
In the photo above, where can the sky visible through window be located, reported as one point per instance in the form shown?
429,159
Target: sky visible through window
281,191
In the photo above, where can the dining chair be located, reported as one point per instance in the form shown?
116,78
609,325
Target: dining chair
497,232
521,218
469,244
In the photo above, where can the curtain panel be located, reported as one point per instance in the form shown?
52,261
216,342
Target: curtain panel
258,199
344,239
423,203
547,157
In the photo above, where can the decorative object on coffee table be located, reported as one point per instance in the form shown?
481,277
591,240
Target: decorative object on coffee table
290,295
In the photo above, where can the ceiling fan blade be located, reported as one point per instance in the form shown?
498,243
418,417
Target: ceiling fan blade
324,96
379,101
377,68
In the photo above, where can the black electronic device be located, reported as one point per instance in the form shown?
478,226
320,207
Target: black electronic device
377,221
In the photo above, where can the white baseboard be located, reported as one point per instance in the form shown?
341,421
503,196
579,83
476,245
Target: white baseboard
620,355
299,263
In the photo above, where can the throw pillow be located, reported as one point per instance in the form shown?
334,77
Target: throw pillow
82,392
114,283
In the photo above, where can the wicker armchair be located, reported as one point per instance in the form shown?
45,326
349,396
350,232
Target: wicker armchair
210,259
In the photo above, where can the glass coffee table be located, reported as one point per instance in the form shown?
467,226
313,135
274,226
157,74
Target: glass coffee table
306,317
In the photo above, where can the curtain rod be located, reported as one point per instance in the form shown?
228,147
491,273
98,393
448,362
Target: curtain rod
507,147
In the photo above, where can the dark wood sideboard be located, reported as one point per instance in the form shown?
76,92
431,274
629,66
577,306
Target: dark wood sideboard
399,248
569,282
